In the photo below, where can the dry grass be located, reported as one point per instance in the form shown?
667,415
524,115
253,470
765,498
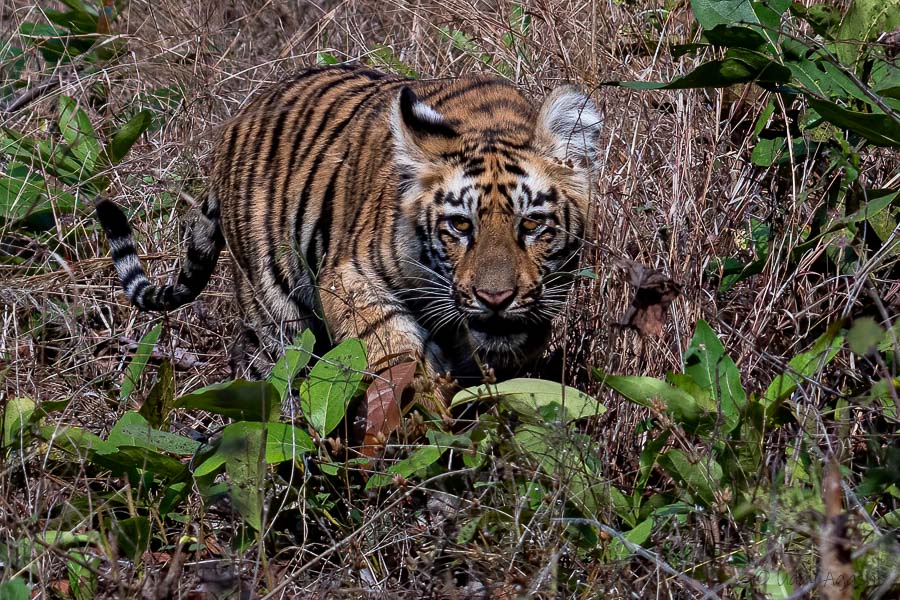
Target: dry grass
676,191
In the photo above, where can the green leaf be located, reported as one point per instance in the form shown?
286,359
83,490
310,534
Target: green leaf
738,66
78,132
326,58
879,129
76,441
645,390
536,398
83,580
421,458
384,56
14,589
706,362
638,536
864,336
139,361
239,399
804,365
700,478
133,430
161,399
125,458
21,194
734,37
467,531
710,13
132,536
878,201
648,457
127,135
242,445
333,381
295,359
865,20
285,442
766,151
16,416
822,18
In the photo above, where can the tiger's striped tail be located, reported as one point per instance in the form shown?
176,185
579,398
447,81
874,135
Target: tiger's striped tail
197,266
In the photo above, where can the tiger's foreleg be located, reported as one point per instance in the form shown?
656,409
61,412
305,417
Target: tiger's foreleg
356,306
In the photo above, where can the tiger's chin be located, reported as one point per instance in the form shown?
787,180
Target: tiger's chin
507,346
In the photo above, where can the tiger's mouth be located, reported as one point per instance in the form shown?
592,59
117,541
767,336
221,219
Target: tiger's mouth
497,326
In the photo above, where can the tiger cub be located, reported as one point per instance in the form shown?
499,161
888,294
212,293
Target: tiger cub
438,218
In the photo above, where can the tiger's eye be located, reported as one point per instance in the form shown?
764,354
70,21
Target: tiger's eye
530,225
461,224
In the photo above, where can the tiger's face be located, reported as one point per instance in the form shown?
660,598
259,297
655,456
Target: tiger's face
499,209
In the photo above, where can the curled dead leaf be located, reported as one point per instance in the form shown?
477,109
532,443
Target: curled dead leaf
653,294
382,404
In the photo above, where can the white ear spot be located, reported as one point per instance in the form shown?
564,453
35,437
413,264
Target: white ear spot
414,126
569,126
425,113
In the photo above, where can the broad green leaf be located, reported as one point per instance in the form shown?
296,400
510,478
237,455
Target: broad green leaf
173,496
14,589
885,79
706,362
16,415
710,13
83,581
648,457
766,151
239,399
139,362
334,379
127,135
645,390
734,37
133,430
805,364
242,445
864,336
467,531
865,20
76,441
125,458
738,66
132,536
21,194
285,442
326,58
295,358
78,132
701,478
776,584
878,201
384,56
421,458
536,398
211,465
640,534
879,129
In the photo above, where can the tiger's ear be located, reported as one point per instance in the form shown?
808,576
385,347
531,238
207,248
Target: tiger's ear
568,127
420,132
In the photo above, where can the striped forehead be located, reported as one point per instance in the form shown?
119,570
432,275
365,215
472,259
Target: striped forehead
466,195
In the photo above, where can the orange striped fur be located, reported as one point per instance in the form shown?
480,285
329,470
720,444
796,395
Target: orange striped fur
438,218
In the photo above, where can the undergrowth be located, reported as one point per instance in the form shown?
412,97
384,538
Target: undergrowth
726,429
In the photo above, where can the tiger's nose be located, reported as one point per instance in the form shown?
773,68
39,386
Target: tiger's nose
496,300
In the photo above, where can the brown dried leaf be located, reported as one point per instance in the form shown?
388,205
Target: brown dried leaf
650,305
836,569
383,404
